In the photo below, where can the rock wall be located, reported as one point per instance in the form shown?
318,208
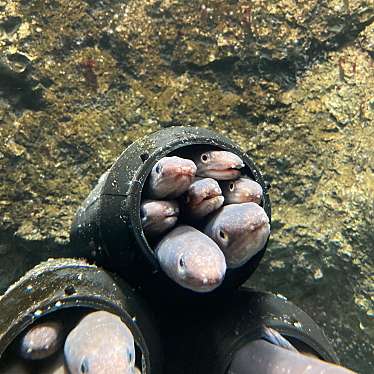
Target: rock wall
291,81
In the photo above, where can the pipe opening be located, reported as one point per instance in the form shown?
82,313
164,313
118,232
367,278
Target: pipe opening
20,356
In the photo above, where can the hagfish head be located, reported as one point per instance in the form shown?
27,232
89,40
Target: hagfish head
220,165
191,259
158,216
100,343
42,340
203,197
242,190
240,230
170,177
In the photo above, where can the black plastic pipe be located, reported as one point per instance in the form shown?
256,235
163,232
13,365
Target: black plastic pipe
70,284
107,227
205,338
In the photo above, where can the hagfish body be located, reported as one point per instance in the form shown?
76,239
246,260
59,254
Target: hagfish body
100,343
260,356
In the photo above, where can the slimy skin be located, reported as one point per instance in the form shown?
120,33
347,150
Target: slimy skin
242,190
220,165
191,259
100,343
203,197
260,356
240,230
158,216
42,340
170,177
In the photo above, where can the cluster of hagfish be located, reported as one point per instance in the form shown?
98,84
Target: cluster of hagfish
55,346
203,215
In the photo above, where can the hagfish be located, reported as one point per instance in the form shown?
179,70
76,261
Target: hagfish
191,259
41,340
220,165
100,343
260,356
202,198
158,216
240,230
170,177
242,190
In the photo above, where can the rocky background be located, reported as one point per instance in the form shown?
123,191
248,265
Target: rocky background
291,81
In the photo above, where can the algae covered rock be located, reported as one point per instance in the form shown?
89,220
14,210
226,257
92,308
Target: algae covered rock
291,81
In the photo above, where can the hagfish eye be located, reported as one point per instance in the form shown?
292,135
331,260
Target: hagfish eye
181,262
129,356
84,366
231,187
222,234
158,169
204,157
142,214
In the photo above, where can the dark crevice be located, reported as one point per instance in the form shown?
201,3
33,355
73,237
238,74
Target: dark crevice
120,50
20,89
282,71
226,64
11,25
243,110
67,45
348,35
26,254
78,151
